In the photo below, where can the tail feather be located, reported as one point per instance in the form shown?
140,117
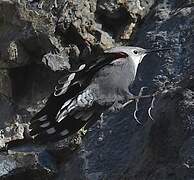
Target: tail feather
60,130
15,144
51,125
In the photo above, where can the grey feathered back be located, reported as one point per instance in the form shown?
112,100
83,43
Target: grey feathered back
110,84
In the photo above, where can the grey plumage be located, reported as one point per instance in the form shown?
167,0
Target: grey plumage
81,97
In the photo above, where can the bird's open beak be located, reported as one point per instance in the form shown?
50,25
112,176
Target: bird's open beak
157,50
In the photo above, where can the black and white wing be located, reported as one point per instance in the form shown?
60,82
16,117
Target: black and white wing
72,104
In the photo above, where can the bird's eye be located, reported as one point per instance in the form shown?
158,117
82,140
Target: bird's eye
135,52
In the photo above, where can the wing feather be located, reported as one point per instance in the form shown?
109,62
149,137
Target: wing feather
71,106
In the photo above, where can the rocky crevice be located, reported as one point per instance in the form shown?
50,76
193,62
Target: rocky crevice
40,40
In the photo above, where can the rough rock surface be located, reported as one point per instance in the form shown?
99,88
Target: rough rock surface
40,39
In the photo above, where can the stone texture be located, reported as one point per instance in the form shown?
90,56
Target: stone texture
5,83
40,39
121,17
6,110
29,165
125,150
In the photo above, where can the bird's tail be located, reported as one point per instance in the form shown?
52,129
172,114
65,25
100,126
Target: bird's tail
15,144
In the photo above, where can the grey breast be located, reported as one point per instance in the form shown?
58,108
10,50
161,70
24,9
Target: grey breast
112,80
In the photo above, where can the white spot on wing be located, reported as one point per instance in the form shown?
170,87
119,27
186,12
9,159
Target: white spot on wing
51,131
82,67
64,132
65,86
34,136
61,116
62,113
66,104
45,125
72,106
71,77
56,93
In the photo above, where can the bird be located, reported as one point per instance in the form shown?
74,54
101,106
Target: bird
98,85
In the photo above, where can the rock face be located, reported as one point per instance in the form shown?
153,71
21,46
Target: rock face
41,39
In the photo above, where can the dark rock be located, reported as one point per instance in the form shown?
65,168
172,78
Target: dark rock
56,62
32,84
12,52
30,165
121,149
5,83
120,18
6,110
39,38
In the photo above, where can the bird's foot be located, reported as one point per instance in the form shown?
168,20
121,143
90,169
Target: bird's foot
137,99
152,106
137,105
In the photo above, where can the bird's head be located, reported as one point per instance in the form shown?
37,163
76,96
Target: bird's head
136,54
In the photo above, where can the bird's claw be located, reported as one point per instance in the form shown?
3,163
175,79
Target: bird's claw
136,99
150,114
136,105
135,117
151,107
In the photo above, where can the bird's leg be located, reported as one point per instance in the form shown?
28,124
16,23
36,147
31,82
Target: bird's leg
137,106
133,98
136,110
137,98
